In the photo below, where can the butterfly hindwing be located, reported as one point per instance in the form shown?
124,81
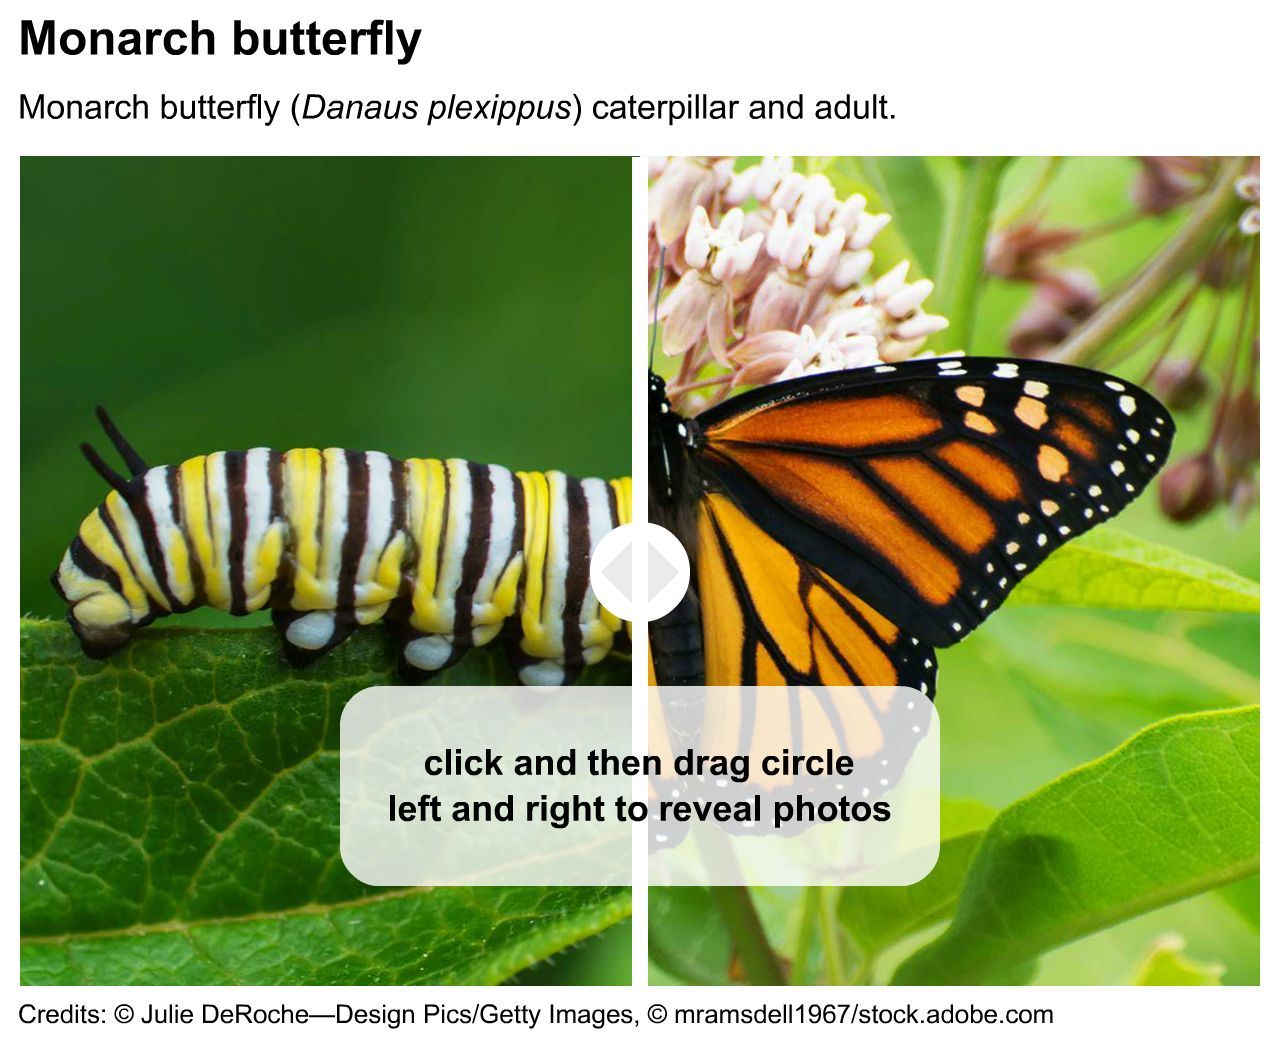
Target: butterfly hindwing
771,618
928,488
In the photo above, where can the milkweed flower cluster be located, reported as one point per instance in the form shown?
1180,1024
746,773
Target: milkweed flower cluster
767,275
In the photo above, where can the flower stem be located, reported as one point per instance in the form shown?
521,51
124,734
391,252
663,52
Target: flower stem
1031,197
961,253
829,929
759,963
1166,267
809,910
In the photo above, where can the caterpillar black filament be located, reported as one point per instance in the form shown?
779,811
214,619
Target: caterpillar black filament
449,553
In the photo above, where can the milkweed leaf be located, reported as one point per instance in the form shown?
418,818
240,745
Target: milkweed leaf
180,826
1169,814
1167,964
1110,568
876,917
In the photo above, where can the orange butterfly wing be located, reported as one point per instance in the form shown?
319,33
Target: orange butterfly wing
929,488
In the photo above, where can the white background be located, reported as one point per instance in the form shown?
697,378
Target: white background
1086,77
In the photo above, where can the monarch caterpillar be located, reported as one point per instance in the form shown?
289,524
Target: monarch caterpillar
843,525
449,553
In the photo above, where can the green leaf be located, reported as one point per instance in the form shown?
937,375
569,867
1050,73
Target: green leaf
1110,568
1171,813
904,186
1245,898
878,917
687,937
180,826
1167,965
891,245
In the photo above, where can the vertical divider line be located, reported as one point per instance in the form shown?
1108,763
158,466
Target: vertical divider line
639,557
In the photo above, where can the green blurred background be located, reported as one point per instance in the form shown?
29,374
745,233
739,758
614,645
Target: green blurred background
431,307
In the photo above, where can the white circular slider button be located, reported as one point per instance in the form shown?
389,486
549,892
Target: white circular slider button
617,578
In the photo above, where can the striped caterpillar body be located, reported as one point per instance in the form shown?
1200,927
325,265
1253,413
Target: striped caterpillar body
449,553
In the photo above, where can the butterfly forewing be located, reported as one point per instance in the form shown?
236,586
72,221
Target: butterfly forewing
927,488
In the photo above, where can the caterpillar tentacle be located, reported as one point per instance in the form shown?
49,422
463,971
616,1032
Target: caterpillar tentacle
450,554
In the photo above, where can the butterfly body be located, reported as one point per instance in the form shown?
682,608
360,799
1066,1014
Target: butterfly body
676,639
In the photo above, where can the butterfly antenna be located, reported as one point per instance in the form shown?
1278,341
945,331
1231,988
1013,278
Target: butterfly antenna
657,292
131,458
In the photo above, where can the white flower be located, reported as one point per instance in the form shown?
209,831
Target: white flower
798,247
700,308
759,181
890,310
684,184
720,251
869,225
774,356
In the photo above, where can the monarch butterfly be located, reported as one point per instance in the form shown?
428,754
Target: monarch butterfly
447,552
844,525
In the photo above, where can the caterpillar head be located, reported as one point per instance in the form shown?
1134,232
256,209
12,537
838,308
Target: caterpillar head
93,575
100,615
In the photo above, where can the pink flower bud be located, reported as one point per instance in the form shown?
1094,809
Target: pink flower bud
1180,382
1223,266
1243,496
1074,292
1040,327
1020,252
1166,182
1190,488
1240,439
